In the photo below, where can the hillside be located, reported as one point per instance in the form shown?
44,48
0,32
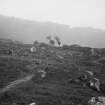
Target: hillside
29,31
58,64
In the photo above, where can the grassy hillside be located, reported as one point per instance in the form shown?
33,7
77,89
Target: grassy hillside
61,64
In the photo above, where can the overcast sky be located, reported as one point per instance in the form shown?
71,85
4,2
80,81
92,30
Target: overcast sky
88,13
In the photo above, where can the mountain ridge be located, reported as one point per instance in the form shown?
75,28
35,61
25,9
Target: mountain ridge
29,31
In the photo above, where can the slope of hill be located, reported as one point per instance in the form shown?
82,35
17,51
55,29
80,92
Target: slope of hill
59,65
29,31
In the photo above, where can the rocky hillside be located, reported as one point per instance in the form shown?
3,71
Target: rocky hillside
44,76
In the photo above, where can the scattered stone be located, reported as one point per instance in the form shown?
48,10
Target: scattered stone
33,103
33,49
42,72
90,72
95,83
97,100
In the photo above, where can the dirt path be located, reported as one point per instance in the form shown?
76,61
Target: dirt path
16,82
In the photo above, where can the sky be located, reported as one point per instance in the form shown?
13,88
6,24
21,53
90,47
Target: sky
76,13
